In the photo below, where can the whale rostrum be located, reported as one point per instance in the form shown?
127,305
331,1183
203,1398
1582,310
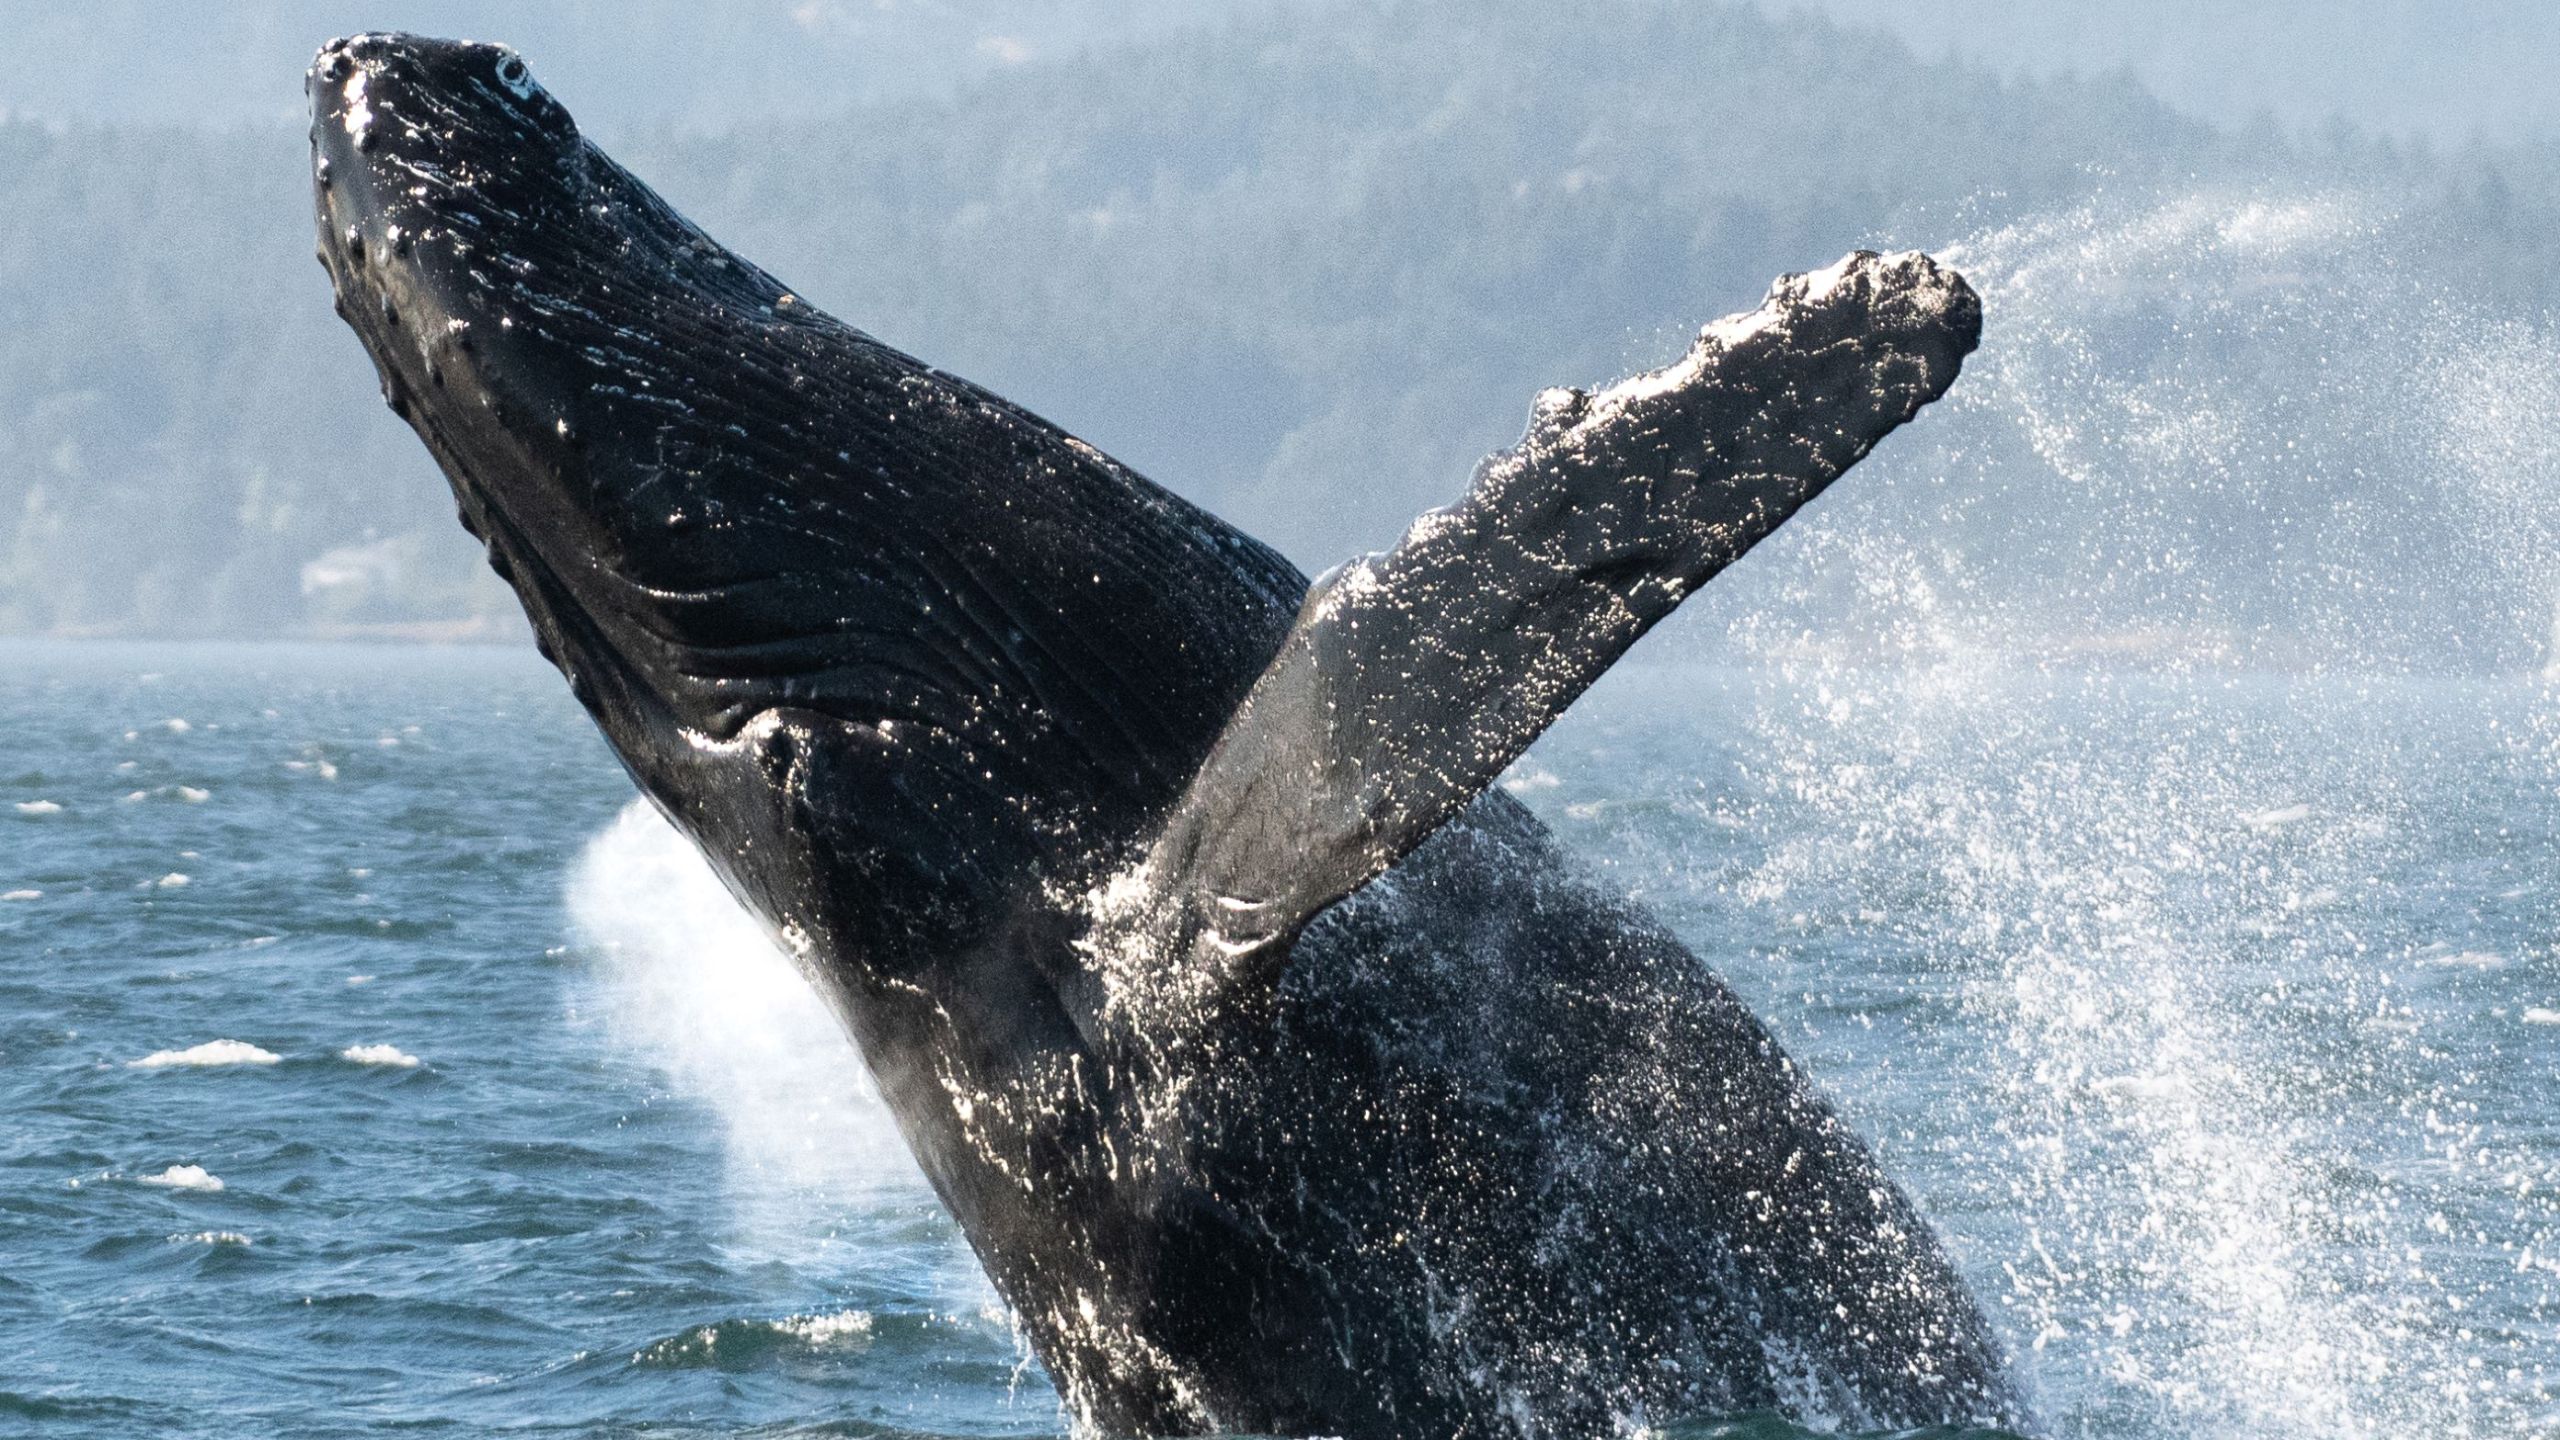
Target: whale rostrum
1283,1073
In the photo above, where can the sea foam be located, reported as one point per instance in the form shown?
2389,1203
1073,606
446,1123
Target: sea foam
208,1055
391,1056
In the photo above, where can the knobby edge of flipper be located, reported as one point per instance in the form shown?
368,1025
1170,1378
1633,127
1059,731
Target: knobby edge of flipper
1412,678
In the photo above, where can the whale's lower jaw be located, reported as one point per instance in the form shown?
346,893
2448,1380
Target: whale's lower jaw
1375,1121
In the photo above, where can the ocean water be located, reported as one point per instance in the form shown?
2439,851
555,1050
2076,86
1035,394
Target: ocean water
368,1063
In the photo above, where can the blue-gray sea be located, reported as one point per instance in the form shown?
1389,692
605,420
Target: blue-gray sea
369,1064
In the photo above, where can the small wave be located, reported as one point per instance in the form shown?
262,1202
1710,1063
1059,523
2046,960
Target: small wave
2465,960
391,1056
193,795
39,807
2280,815
746,1344
213,1237
209,1054
2539,1015
185,1177
23,1405
171,881
23,895
827,1329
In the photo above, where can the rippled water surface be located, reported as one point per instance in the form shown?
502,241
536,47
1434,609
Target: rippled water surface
367,1064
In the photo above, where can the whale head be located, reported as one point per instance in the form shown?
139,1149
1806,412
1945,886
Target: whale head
959,652
515,288
517,291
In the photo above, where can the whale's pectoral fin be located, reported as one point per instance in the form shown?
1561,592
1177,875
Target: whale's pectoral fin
1412,678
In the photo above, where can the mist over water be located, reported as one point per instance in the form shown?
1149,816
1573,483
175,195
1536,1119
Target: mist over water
2119,703
2217,429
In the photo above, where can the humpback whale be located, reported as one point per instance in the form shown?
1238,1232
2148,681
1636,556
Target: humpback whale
1281,1070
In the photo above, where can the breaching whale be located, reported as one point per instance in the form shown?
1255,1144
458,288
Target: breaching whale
1285,1077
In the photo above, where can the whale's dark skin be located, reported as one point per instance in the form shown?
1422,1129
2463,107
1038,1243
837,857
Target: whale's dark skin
1284,1077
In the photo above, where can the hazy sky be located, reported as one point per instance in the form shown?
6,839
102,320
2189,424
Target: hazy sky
2443,68
701,63
2448,69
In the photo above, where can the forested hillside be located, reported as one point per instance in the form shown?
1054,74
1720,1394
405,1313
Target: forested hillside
2450,71
1304,269
683,63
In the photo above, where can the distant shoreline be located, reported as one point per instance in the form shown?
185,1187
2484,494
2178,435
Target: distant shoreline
478,630
2088,657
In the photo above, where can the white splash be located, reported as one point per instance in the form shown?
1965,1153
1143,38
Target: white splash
185,1177
388,1056
209,1055
39,807
2212,430
693,981
2162,392
1527,776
